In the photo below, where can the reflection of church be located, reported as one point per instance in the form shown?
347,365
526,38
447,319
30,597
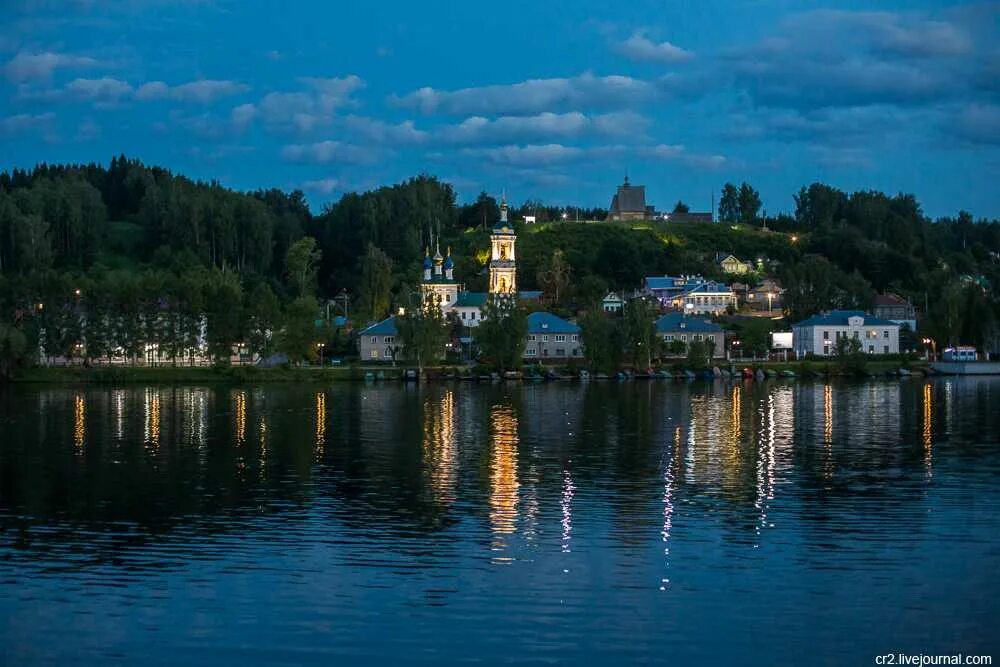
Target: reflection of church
439,282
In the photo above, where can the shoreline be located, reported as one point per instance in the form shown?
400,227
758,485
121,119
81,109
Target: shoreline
244,374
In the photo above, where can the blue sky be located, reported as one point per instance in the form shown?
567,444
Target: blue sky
548,100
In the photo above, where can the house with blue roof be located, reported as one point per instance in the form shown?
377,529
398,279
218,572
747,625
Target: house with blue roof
552,337
691,294
380,341
687,329
818,335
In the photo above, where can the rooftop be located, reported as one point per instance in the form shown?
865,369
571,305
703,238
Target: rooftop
386,327
540,322
680,322
839,318
890,300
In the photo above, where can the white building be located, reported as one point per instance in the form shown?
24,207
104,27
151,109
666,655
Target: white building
819,334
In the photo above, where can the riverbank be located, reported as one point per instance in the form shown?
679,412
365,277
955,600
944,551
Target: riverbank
242,374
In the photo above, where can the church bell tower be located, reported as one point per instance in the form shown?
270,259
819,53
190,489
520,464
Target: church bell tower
503,268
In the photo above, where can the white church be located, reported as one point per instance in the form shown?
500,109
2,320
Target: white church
439,281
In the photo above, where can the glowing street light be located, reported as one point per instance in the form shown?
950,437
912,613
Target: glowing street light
565,215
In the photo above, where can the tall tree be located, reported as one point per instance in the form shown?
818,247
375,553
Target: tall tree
301,264
554,278
640,331
749,204
376,283
502,332
729,204
601,344
423,333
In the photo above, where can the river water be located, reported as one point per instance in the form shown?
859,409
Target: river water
646,522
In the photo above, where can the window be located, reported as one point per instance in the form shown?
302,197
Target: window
545,351
388,339
472,315
856,334
545,338
374,354
697,336
531,352
871,349
387,354
710,338
885,333
560,352
374,339
463,314
531,338
576,352
684,337
560,338
573,338
668,337
826,335
826,350
885,349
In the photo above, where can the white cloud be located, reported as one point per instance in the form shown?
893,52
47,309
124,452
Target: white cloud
27,66
326,152
203,91
547,125
529,155
243,115
640,47
100,91
313,108
585,91
26,122
382,132
323,186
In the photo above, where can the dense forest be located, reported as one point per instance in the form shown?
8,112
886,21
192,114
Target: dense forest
127,239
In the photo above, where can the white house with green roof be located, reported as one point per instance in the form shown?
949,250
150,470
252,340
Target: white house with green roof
819,334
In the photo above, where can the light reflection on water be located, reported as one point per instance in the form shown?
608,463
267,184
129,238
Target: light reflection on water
444,523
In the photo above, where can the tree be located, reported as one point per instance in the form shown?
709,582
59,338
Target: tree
681,207
601,343
554,279
224,315
263,319
502,332
376,283
849,355
640,331
423,333
301,264
299,335
749,204
13,346
729,204
699,353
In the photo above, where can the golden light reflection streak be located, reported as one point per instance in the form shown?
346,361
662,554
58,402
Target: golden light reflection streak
503,476
828,430
151,424
240,411
439,446
262,436
928,431
736,426
79,423
320,424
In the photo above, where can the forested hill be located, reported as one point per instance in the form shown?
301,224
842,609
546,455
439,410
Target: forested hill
60,224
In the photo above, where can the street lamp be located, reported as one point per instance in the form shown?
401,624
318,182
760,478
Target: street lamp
320,347
933,344
565,215
795,238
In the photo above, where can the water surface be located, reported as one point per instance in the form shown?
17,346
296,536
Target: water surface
648,522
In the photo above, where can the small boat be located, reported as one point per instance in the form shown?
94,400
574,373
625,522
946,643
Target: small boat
748,373
787,373
584,375
369,376
759,375
903,372
689,374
